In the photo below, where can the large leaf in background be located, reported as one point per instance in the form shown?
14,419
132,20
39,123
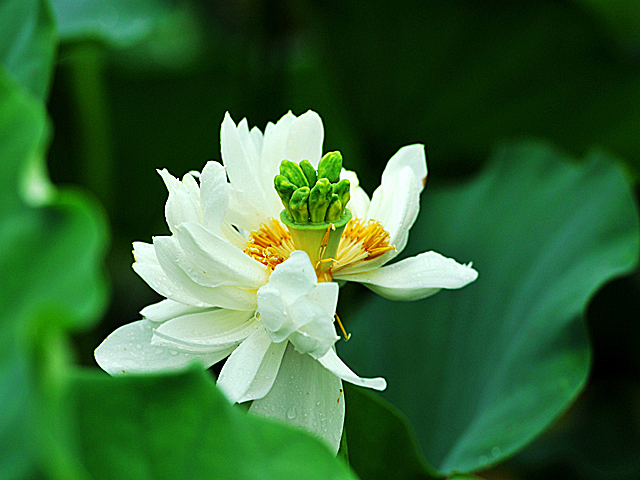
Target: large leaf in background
51,244
117,22
481,371
461,75
181,426
381,443
28,43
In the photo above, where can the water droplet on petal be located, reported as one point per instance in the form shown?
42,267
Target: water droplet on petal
495,451
173,353
291,413
139,346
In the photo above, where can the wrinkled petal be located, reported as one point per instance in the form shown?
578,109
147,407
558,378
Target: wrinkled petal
218,261
294,277
307,395
175,264
294,306
168,309
214,195
415,277
206,332
250,371
129,350
332,362
147,266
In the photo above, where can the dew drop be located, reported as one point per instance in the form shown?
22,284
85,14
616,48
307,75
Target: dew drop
173,353
495,451
483,460
291,413
139,346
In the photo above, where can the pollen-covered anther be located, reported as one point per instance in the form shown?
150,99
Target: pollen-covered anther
271,245
362,240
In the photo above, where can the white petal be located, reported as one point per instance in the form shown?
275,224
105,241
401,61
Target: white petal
243,165
274,145
257,138
396,205
294,277
147,266
206,332
244,213
251,370
273,152
218,261
306,395
214,195
182,205
305,139
412,156
129,350
415,277
166,310
332,362
175,264
359,202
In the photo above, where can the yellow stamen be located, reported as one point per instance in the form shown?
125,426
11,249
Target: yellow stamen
347,336
362,241
271,245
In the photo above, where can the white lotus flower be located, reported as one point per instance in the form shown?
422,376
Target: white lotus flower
266,299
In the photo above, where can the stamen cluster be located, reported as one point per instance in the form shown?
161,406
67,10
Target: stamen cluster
311,196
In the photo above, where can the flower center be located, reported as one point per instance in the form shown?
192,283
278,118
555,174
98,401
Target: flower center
271,245
315,219
361,241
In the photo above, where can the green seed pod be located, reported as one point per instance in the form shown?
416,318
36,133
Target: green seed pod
294,173
319,199
298,205
309,172
334,212
343,190
285,189
330,166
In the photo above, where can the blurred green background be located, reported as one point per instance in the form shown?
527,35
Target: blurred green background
143,85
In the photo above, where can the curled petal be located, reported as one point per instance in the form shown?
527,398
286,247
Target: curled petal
218,261
182,205
415,277
129,350
168,309
206,332
332,362
293,306
306,395
147,266
175,265
250,371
